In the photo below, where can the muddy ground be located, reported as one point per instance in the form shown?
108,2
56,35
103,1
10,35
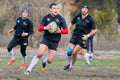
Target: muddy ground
56,72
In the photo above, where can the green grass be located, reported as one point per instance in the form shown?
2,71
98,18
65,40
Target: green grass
95,62
99,70
78,62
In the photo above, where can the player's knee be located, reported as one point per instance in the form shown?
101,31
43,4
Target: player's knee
24,54
82,53
9,49
69,51
39,55
49,61
74,55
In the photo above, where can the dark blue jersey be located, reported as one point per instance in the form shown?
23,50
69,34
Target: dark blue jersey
60,23
23,25
83,26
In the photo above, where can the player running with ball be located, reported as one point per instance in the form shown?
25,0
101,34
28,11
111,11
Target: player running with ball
50,40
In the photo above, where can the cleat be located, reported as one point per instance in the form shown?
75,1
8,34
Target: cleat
66,67
11,61
90,58
43,64
70,69
43,69
24,66
27,72
88,63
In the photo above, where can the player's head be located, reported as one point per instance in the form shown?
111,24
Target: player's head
25,13
53,9
84,9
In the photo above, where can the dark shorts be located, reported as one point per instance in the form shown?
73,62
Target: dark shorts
18,41
51,44
78,41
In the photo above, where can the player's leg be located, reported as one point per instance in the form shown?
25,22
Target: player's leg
75,52
88,45
52,45
91,49
83,51
10,46
86,55
48,60
88,50
69,55
42,50
51,56
23,52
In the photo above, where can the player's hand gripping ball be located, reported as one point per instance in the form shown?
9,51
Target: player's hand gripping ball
53,26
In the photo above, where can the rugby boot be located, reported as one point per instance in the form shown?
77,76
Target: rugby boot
66,67
11,61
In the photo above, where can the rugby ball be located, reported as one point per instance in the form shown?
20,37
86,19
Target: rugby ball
53,26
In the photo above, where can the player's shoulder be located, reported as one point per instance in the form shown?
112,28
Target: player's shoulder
45,16
90,16
60,16
29,20
19,18
77,15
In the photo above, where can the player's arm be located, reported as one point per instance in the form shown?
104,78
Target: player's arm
41,27
64,26
94,28
64,31
93,32
72,22
70,26
30,30
11,30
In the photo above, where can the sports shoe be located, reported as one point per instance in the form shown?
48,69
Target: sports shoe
70,69
23,66
43,69
11,61
27,72
90,58
66,67
88,63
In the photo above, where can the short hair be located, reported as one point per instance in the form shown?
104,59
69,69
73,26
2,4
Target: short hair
52,4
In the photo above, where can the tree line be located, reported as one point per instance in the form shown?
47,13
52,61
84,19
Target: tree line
105,12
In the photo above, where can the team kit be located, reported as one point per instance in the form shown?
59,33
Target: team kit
53,25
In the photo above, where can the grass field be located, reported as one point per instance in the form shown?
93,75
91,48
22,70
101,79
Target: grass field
99,70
